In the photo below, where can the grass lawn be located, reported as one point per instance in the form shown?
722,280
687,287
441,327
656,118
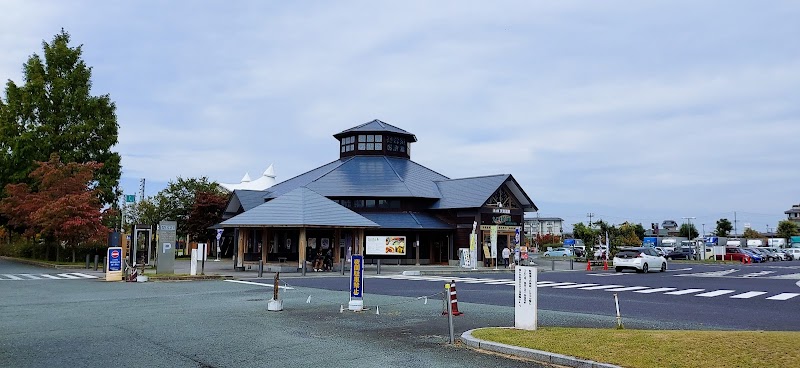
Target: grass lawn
659,348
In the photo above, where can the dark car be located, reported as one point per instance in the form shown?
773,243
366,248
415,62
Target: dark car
682,253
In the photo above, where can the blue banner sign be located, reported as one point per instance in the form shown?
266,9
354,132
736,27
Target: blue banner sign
650,241
569,241
712,240
357,276
114,259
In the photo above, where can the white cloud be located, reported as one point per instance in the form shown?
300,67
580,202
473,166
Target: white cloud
653,109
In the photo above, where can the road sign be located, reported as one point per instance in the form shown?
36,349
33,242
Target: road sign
114,259
130,198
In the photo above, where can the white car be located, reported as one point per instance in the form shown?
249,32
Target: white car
642,259
795,252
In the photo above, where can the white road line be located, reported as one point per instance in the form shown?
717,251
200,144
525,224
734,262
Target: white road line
656,290
748,294
500,282
573,286
12,277
683,292
51,277
557,284
601,287
259,284
783,296
712,294
32,277
83,275
630,288
68,276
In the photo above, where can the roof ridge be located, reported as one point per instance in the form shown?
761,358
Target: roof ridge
474,177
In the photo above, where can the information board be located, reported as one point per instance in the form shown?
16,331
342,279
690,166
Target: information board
526,298
386,245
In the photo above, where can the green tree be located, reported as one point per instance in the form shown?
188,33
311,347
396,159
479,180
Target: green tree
54,112
176,201
751,234
639,230
724,227
688,231
585,233
787,229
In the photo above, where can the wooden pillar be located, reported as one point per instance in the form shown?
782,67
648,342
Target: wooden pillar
417,246
264,244
358,242
337,239
301,250
240,248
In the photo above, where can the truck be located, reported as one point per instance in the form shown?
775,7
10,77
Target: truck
777,242
752,243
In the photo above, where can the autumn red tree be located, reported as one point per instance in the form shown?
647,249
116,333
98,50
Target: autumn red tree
206,211
61,204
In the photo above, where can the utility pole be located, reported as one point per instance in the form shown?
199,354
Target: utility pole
141,189
590,215
734,224
689,227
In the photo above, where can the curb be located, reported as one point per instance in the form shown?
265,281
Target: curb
537,355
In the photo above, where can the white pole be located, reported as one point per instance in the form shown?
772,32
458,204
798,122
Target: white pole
619,317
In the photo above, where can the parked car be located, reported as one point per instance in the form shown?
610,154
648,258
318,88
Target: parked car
558,252
579,252
794,252
736,254
755,257
772,255
641,259
682,253
764,254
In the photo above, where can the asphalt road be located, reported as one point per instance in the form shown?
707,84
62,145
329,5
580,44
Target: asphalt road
688,296
83,322
57,318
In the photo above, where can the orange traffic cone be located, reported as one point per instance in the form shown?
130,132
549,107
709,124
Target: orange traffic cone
588,264
605,264
454,300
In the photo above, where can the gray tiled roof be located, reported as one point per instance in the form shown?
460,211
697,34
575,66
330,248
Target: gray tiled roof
366,176
376,126
298,208
407,220
468,192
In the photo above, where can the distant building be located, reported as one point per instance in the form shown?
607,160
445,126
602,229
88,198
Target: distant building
794,214
265,181
543,226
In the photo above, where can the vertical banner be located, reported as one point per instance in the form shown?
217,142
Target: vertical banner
493,233
473,250
356,283
356,276
525,295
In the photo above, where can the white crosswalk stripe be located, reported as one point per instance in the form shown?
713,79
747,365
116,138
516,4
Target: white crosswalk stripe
684,292
656,290
748,294
783,296
711,294
733,294
45,276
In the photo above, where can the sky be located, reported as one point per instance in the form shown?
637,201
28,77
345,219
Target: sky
637,111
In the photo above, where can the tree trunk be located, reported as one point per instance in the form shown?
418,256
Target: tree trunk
73,254
58,251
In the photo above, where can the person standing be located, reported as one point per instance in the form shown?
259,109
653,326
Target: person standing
506,255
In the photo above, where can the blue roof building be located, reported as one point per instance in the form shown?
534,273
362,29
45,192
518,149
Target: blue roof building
374,200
